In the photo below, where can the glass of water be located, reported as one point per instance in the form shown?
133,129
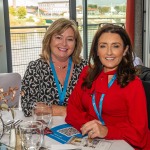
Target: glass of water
43,112
31,133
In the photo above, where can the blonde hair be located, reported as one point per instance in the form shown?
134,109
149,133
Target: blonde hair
58,27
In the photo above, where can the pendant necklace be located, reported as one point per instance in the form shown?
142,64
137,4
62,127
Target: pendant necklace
62,67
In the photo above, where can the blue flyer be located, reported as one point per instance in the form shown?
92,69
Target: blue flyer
63,133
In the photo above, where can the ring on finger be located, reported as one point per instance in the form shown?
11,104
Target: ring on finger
91,132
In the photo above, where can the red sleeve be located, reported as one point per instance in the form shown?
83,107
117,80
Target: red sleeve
76,115
134,131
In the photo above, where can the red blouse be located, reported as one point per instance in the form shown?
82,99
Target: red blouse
124,110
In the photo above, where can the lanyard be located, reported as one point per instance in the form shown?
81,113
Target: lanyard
99,113
61,93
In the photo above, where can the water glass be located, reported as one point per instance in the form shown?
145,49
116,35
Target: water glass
31,133
43,112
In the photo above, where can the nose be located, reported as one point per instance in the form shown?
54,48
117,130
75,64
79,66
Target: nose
109,50
64,42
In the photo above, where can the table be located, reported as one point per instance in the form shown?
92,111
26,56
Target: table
57,120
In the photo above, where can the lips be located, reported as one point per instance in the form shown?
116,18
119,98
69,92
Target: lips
110,58
63,49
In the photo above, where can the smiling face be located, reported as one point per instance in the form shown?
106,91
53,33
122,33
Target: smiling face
62,45
110,50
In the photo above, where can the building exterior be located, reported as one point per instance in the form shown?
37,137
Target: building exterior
53,8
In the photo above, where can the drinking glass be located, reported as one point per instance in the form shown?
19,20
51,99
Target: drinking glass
31,133
43,112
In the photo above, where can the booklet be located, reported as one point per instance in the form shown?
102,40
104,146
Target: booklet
66,134
90,144
63,133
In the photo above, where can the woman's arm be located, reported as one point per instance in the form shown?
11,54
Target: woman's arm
59,110
135,129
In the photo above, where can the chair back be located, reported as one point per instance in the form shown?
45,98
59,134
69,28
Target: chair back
146,85
11,82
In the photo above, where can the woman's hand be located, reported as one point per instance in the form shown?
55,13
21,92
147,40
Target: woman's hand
94,129
59,110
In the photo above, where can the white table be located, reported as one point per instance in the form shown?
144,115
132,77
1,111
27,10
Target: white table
57,120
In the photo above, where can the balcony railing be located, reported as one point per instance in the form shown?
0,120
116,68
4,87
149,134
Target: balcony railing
26,44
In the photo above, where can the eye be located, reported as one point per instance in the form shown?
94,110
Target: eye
102,46
70,39
116,45
58,37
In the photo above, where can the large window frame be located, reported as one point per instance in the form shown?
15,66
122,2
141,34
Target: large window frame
72,11
146,33
5,50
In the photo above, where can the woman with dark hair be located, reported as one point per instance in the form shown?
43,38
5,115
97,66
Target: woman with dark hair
109,100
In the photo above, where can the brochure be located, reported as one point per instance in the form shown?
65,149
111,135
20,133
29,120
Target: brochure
90,144
66,134
63,133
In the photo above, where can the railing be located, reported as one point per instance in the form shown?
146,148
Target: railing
26,44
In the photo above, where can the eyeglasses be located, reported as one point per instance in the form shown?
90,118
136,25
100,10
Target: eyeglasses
119,24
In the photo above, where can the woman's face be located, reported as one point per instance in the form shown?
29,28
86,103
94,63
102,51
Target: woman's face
62,45
110,50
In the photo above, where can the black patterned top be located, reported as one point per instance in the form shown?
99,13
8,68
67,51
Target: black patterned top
38,85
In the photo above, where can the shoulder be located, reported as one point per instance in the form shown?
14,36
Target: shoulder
82,63
37,63
145,73
134,90
136,81
135,84
84,71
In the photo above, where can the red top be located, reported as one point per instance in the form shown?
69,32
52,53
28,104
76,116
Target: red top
124,109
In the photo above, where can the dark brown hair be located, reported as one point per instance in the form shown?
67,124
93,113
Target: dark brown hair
125,71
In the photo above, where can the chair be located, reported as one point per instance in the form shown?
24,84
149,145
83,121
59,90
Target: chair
146,85
9,81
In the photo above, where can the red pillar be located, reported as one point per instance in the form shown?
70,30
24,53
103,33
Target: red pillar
130,19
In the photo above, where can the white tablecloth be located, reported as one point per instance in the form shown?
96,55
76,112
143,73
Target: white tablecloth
57,120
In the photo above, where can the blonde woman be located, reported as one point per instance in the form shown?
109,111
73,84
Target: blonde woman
52,77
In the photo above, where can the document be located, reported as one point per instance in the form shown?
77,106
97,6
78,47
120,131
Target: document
91,144
73,139
63,133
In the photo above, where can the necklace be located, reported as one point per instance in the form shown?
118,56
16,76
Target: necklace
62,67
